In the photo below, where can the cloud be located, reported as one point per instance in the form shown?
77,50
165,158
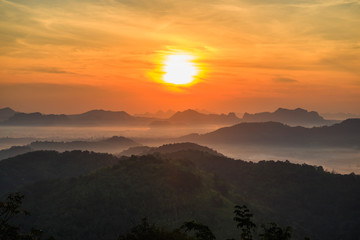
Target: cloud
46,70
285,80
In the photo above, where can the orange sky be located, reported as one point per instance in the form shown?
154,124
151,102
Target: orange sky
254,55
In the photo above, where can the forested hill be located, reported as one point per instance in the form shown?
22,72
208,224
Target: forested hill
303,196
111,195
31,167
105,203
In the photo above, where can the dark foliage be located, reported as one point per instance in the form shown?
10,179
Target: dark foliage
31,167
10,209
201,231
244,222
100,202
146,231
272,231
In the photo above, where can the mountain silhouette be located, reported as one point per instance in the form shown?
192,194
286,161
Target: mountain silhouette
37,119
14,151
90,118
102,117
296,117
168,148
344,134
192,117
114,144
6,113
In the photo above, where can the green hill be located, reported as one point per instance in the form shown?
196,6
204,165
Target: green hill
31,167
85,195
110,201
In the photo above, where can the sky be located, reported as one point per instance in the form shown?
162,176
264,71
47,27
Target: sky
251,55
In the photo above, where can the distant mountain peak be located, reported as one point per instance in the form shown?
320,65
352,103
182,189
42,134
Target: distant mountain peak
298,117
102,111
6,109
189,112
6,113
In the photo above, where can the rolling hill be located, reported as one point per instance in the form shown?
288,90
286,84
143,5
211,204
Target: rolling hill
344,134
82,195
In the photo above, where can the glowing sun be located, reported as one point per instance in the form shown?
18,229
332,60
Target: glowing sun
179,69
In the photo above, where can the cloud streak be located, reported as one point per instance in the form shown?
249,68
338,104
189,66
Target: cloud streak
285,80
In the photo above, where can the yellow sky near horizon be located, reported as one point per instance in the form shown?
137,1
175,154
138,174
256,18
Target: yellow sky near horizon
72,56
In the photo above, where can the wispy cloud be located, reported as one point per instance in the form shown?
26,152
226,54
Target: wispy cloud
45,70
285,80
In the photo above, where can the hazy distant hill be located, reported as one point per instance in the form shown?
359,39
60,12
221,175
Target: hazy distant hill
344,134
36,119
113,144
296,117
6,113
14,151
102,117
168,148
192,117
73,200
6,142
91,118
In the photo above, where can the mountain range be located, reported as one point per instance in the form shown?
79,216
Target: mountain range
192,117
296,117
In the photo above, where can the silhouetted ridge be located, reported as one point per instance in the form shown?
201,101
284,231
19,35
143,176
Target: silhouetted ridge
14,151
37,119
90,118
103,115
296,117
168,148
190,116
6,113
344,134
352,124
113,144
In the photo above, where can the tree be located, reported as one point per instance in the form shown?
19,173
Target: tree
244,222
9,209
274,232
146,231
202,232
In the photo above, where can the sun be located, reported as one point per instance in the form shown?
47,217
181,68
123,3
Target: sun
179,69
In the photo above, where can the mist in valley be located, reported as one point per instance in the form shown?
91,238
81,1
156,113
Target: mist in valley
333,159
